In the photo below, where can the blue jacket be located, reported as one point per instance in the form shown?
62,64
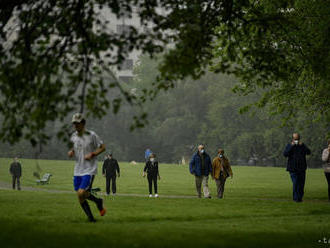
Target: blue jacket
195,165
296,155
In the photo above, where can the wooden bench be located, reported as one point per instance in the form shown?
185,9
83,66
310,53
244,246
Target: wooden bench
45,179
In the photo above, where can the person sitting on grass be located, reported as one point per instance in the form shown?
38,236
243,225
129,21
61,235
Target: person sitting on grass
153,173
86,146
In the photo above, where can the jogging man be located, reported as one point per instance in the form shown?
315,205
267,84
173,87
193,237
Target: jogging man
86,146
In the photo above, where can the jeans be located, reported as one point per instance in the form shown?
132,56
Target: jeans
327,176
202,180
113,184
298,180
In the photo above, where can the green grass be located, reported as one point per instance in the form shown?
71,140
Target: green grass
257,211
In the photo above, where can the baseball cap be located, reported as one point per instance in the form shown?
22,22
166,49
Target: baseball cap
77,117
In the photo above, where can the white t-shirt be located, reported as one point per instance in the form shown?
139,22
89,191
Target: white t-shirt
83,145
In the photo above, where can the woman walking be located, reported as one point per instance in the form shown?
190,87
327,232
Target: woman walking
152,173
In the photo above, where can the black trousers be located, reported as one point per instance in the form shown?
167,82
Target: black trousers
327,175
16,179
111,179
152,179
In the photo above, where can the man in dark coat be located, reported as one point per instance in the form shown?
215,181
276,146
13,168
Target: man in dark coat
296,152
110,170
16,172
200,166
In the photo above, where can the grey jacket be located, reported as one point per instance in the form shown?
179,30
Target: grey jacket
326,158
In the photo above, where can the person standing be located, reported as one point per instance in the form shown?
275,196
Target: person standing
326,165
152,170
296,152
110,170
200,166
86,146
16,172
220,171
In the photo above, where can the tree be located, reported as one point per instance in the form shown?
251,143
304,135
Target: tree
56,56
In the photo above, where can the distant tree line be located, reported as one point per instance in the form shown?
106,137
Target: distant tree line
193,112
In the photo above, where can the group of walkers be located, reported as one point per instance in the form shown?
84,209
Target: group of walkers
87,145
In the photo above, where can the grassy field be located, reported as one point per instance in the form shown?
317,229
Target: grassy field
257,211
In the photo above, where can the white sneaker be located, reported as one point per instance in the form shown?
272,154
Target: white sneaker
156,195
150,195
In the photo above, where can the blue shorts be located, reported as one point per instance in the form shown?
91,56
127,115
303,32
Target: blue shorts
82,182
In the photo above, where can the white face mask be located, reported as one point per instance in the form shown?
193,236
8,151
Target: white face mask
296,142
220,155
202,151
152,159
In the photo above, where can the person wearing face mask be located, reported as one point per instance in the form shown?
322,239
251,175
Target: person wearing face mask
326,166
296,152
220,171
152,171
200,166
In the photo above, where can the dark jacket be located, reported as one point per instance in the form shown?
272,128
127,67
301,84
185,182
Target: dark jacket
195,165
151,168
110,166
296,155
16,169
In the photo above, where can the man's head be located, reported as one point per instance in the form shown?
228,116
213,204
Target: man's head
15,159
296,138
152,157
78,122
221,151
110,155
201,149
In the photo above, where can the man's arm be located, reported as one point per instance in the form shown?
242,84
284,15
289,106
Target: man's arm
192,165
99,150
118,169
287,150
307,150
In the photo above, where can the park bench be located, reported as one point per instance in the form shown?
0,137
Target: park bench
45,179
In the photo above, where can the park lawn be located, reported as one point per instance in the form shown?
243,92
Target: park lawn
46,219
248,181
257,211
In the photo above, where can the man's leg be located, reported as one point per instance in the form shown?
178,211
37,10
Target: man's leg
155,184
82,195
13,181
107,185
18,184
198,181
150,184
294,186
206,186
217,182
222,186
301,185
91,197
327,176
114,188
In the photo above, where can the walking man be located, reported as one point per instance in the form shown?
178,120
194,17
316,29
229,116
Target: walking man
296,152
200,166
16,172
220,171
110,170
86,146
